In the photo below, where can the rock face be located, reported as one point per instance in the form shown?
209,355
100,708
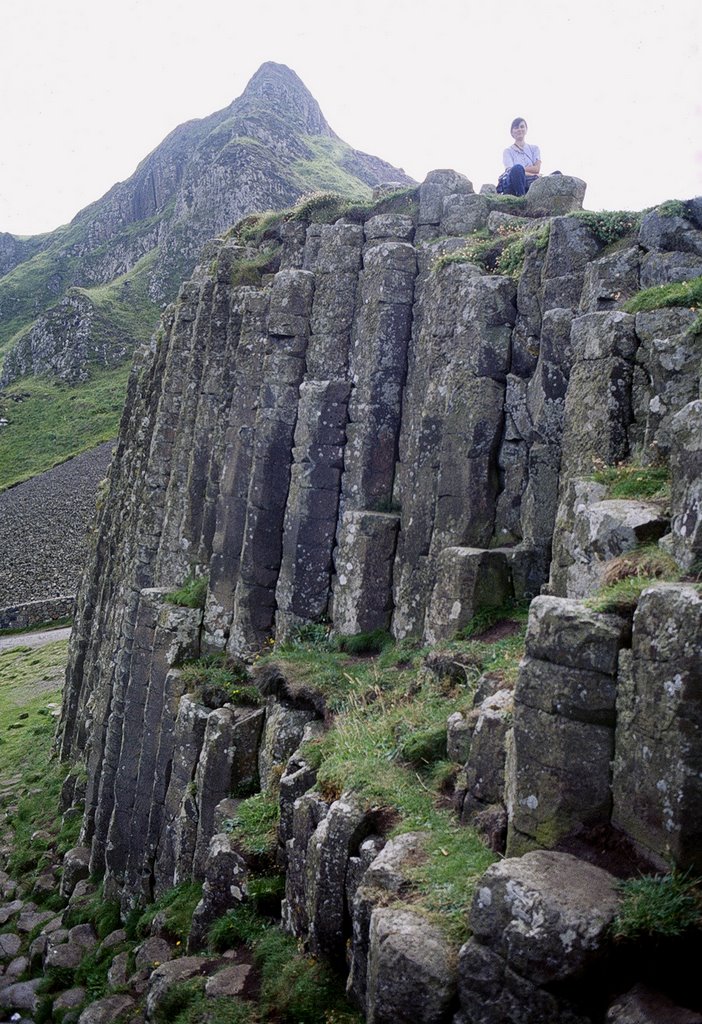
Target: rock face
261,152
378,435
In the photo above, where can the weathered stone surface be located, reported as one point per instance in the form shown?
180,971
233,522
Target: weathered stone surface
298,778
459,730
229,982
669,232
229,757
566,632
69,1000
485,766
152,953
467,579
657,769
604,530
9,946
189,731
9,910
75,868
66,955
554,195
224,888
168,975
546,914
490,992
387,876
642,1005
106,1010
364,561
281,736
304,582
686,485
563,738
666,379
308,811
668,267
335,839
435,188
610,281
20,996
411,969
463,214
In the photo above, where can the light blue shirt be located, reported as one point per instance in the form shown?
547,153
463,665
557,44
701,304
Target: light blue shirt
526,157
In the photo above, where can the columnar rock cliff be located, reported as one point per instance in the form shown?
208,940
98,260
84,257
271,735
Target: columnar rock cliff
383,435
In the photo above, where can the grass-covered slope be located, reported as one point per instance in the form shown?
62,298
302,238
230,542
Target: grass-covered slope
49,422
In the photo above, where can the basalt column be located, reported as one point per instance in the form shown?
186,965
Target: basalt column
452,427
368,528
269,480
304,584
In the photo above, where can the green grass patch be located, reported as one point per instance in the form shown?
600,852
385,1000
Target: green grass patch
364,643
191,594
50,422
630,480
256,824
324,170
30,682
658,906
680,293
609,226
295,989
502,253
218,679
626,577
250,271
178,906
103,915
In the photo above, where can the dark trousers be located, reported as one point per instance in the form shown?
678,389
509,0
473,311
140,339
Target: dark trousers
515,181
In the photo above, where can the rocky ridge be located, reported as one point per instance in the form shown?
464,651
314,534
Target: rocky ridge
141,239
384,436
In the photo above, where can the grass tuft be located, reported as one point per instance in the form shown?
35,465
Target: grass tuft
679,293
191,594
658,906
631,480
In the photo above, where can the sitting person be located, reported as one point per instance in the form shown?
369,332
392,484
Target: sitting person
522,162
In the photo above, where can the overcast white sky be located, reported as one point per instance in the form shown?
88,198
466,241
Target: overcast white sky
611,89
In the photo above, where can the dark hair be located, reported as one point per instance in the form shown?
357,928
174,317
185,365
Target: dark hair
517,120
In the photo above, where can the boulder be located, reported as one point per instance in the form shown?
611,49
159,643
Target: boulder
229,982
9,945
554,195
642,1005
546,914
411,969
20,996
169,974
76,867
106,1010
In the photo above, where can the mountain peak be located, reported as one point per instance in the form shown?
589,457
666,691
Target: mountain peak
277,86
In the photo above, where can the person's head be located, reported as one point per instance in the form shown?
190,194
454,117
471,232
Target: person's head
518,122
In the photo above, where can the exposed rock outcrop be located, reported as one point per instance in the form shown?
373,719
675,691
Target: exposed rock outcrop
383,436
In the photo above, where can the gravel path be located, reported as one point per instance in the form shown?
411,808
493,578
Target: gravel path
46,636
43,528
